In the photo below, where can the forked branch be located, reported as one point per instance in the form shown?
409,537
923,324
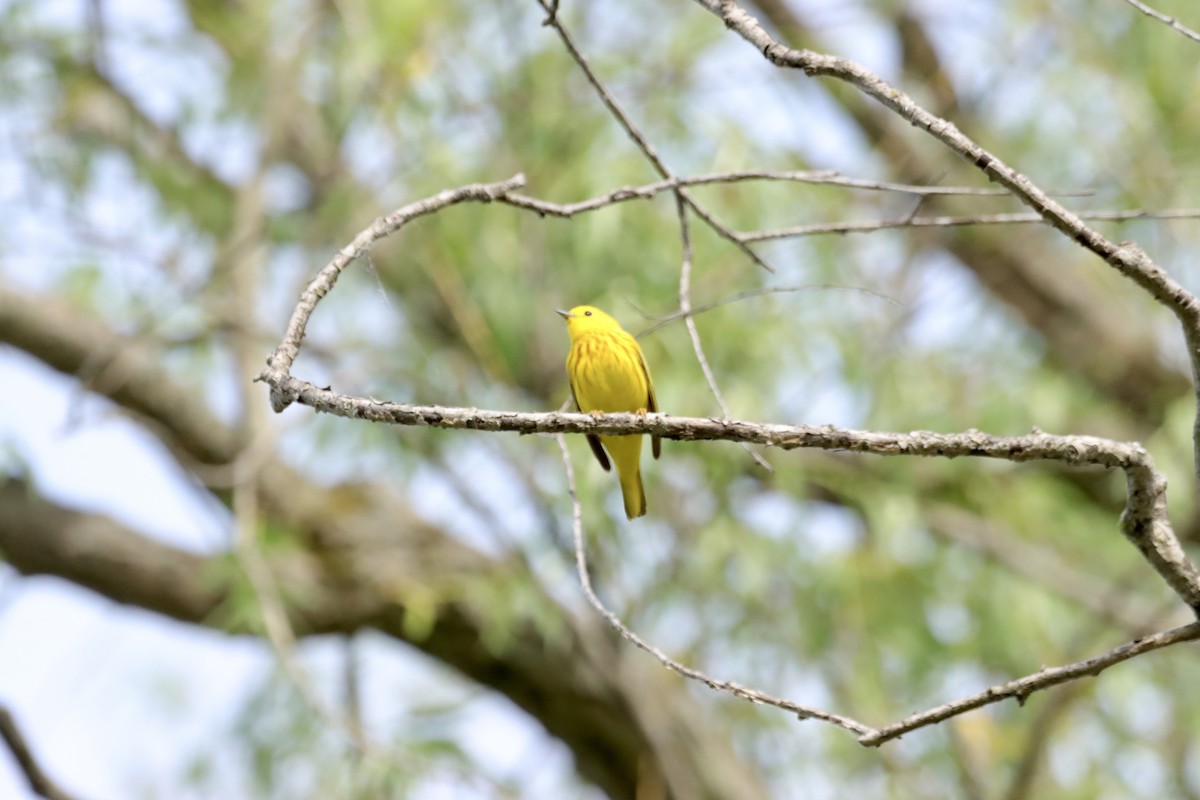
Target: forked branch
1127,258
1144,521
868,736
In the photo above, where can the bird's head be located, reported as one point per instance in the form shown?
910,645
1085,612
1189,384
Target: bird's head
586,320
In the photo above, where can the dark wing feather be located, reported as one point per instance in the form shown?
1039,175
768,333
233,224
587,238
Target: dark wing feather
592,439
651,403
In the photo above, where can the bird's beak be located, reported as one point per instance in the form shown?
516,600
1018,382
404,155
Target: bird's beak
563,314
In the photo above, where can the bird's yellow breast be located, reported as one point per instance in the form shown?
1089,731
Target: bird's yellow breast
607,373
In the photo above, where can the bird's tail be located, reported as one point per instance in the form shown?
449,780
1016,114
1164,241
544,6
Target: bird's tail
626,452
634,495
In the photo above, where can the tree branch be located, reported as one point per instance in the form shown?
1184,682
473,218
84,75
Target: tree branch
867,736
289,348
1144,520
381,569
1072,316
868,226
689,319
1175,24
1038,681
41,783
1045,567
363,556
735,689
643,144
123,369
816,178
1127,258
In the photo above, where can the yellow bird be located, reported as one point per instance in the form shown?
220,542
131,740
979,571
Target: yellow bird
608,374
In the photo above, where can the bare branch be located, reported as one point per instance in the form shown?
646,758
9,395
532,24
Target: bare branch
685,308
246,247
381,568
133,375
737,690
1042,679
1036,746
868,736
1144,520
610,102
39,782
868,226
1127,258
966,758
282,638
289,348
819,178
1161,17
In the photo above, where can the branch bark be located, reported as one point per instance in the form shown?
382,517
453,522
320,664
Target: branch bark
1144,521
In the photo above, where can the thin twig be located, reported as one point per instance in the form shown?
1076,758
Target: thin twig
643,144
255,431
966,758
282,639
820,178
868,226
1161,17
1042,679
1036,745
685,308
735,689
352,686
40,783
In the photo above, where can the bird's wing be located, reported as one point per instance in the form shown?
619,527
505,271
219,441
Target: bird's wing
592,439
651,402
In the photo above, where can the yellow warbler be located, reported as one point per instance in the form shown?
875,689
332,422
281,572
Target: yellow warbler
609,374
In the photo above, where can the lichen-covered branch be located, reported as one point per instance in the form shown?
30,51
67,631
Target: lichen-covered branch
1144,520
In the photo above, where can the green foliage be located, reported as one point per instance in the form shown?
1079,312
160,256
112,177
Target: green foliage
824,581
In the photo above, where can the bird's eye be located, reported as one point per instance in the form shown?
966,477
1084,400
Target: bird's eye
587,313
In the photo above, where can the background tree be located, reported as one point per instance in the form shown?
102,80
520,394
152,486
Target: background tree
174,176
